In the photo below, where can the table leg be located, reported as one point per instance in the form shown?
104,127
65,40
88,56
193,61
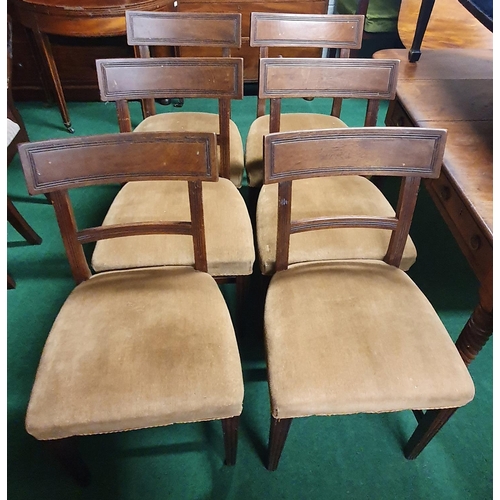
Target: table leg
43,43
479,328
422,21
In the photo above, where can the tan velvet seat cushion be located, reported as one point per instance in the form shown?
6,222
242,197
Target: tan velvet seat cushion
329,197
199,122
136,349
348,337
254,163
228,229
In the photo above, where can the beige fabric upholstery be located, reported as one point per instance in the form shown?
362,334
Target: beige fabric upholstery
329,197
254,163
229,238
199,122
348,337
136,349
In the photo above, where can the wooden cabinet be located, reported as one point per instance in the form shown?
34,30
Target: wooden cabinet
75,56
249,54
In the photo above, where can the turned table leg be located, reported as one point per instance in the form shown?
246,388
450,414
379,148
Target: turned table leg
479,328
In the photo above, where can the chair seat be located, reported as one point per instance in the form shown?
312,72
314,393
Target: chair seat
225,214
199,122
328,197
362,339
254,163
106,368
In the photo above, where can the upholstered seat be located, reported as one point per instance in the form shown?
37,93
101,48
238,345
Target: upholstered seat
119,370
353,334
337,355
331,197
192,121
288,122
230,247
229,235
134,348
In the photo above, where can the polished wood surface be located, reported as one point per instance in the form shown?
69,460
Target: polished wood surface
450,25
453,89
87,18
251,54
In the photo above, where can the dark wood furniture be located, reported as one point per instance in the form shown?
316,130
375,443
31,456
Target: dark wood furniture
453,89
103,37
341,337
229,232
246,7
82,19
274,34
106,367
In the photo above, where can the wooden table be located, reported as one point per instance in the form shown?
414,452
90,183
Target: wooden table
76,18
453,89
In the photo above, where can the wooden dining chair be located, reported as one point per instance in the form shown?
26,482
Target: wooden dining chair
229,236
356,335
368,79
273,33
137,348
195,34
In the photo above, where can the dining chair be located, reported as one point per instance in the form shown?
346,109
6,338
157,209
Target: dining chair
274,32
368,79
356,335
229,236
135,348
199,34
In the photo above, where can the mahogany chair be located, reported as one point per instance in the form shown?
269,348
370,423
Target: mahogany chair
333,196
273,33
229,236
356,335
191,34
137,348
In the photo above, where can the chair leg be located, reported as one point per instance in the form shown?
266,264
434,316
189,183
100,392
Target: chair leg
10,282
241,285
230,432
277,437
429,425
67,454
19,223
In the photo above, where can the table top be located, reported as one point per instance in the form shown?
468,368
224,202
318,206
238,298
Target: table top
453,89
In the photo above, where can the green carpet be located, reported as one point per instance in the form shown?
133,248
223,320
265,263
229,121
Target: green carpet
348,457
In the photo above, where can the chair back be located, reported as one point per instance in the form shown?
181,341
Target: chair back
55,166
409,153
183,29
124,80
270,30
198,33
371,79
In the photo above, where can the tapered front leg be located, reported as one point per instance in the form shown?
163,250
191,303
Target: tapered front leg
230,431
67,454
277,437
429,425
